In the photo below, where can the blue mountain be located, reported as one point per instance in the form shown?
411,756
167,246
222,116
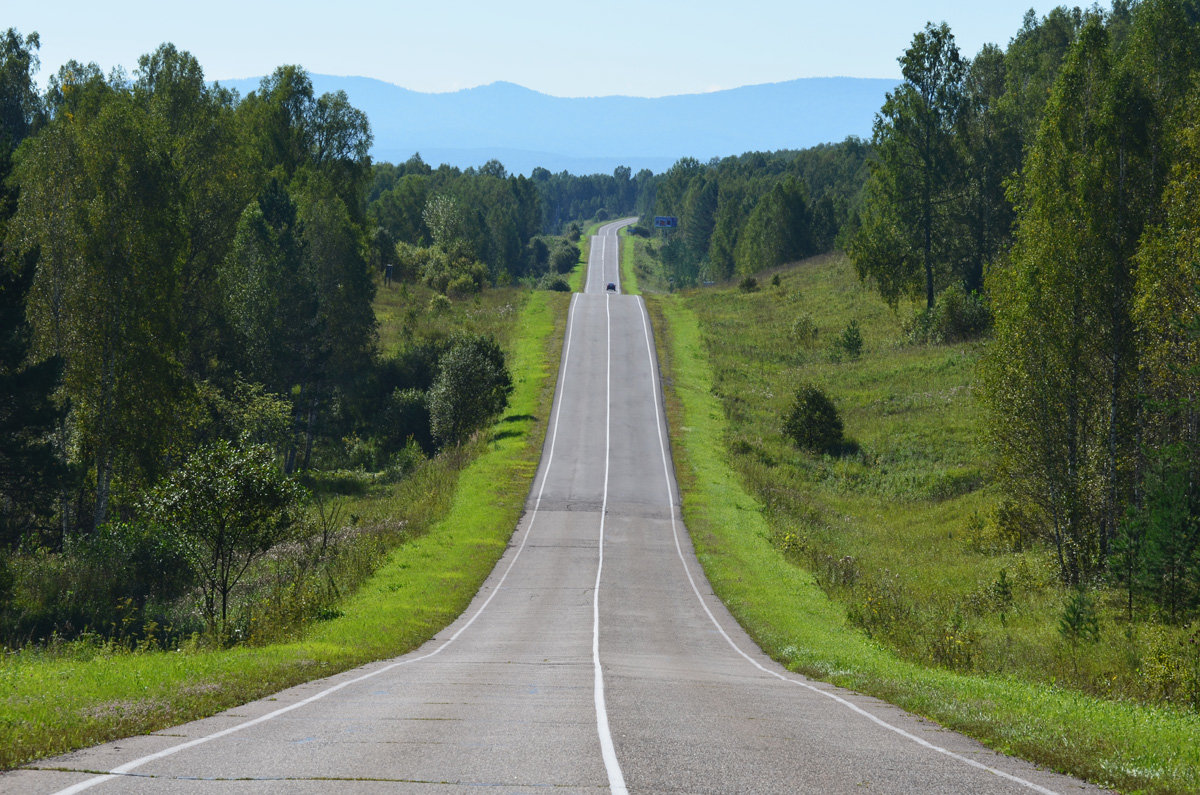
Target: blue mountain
524,129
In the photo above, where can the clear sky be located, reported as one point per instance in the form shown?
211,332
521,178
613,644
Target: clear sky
567,49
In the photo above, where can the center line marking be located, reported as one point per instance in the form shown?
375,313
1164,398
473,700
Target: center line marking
616,781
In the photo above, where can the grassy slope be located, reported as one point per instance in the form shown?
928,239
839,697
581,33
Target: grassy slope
906,409
51,702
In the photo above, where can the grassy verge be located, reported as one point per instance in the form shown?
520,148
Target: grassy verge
629,276
578,277
1116,743
52,702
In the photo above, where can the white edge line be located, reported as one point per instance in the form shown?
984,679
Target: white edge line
848,704
117,772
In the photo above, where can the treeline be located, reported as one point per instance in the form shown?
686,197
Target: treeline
567,197
1058,181
744,214
504,228
186,323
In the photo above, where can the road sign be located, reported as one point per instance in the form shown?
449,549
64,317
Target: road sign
665,222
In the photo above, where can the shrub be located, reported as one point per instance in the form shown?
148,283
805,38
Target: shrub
956,316
564,258
748,284
463,285
552,281
804,330
813,422
439,304
226,507
406,419
849,343
472,386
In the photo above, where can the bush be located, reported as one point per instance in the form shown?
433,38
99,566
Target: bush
748,284
564,258
849,343
813,422
956,316
226,507
472,386
552,281
439,304
804,330
406,419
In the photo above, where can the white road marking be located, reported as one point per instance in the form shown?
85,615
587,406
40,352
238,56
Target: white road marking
679,550
128,767
616,781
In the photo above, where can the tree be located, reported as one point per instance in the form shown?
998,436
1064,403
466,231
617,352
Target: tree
1057,380
471,387
30,469
20,107
917,177
96,208
227,507
779,230
812,422
991,154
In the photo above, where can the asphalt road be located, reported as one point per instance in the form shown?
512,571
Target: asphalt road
595,657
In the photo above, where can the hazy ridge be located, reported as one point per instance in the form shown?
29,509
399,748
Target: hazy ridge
524,129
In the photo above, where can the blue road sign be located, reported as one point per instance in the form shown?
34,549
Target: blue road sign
665,222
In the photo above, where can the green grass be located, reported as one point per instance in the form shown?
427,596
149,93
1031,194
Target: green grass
578,276
54,700
629,276
861,569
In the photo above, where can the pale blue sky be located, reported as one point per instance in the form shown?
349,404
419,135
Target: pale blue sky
561,48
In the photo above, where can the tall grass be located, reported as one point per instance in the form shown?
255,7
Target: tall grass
884,568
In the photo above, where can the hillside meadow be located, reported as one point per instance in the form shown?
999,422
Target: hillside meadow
889,567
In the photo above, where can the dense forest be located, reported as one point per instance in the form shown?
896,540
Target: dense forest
188,332
188,282
1053,186
740,215
188,335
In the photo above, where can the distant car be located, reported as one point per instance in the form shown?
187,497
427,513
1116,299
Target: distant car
611,287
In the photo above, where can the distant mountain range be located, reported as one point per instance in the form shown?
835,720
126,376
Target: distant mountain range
524,129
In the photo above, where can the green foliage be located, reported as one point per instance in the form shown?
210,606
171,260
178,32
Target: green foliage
438,304
1158,548
564,258
1078,622
551,281
804,330
748,284
471,387
903,243
30,468
956,316
930,587
227,506
406,419
778,230
812,422
740,215
849,343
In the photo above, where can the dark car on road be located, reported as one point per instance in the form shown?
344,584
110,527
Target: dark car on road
611,287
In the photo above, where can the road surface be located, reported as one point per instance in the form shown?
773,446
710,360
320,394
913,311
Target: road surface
594,659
